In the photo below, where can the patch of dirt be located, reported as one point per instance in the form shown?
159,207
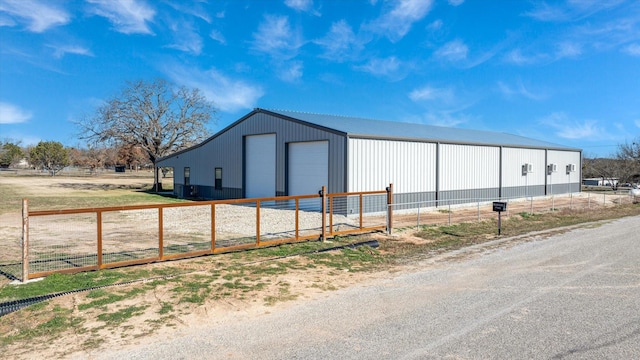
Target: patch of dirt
153,319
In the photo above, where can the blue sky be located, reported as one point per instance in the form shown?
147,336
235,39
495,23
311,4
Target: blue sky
567,72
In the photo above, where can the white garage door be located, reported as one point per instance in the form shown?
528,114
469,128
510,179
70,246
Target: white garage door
260,166
308,167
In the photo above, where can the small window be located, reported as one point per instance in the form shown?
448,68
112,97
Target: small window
218,183
187,176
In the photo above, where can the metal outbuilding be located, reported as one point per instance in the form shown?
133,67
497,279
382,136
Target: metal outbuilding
271,153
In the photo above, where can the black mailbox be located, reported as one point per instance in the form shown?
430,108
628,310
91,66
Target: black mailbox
499,206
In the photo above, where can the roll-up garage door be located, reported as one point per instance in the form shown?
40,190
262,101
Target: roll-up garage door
260,166
308,167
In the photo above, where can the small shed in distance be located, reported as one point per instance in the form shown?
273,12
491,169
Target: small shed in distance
271,153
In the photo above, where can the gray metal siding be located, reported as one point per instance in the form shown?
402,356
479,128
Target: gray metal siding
522,191
226,151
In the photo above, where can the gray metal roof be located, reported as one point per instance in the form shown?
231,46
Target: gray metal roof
368,128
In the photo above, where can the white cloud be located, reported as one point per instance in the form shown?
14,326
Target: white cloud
302,5
127,16
429,93
637,122
632,49
568,49
12,114
340,43
435,25
276,38
455,50
39,15
456,2
218,36
519,89
567,128
60,50
570,10
292,72
229,95
397,22
516,57
185,38
390,68
444,118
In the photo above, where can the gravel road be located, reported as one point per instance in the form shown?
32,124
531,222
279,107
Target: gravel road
569,296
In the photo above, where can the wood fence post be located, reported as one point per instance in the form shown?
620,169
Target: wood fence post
323,195
390,209
25,240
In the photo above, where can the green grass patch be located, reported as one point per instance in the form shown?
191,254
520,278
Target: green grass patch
49,323
104,298
120,316
68,282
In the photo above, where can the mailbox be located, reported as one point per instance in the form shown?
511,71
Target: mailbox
499,206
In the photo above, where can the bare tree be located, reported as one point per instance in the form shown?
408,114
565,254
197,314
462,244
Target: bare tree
629,157
155,116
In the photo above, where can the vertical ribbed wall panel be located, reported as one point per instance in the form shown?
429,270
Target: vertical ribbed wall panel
562,159
512,161
374,164
465,167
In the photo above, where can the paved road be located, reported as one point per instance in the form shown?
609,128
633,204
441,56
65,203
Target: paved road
570,296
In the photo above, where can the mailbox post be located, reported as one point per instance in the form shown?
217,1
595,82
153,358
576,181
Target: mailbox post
499,206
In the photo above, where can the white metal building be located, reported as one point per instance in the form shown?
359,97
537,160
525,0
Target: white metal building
271,153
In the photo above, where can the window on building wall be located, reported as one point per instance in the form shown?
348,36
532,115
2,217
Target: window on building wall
187,176
218,183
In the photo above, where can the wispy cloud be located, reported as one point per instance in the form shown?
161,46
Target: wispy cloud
570,10
456,2
340,43
632,49
218,36
12,114
192,8
186,38
519,90
567,128
637,122
127,16
430,93
228,94
39,16
396,21
303,6
60,50
389,68
518,58
291,72
276,37
444,118
455,50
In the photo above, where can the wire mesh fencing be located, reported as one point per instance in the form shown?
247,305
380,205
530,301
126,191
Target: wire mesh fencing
88,239
444,212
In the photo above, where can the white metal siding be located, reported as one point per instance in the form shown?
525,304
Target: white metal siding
260,166
512,161
308,167
374,164
562,159
465,167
